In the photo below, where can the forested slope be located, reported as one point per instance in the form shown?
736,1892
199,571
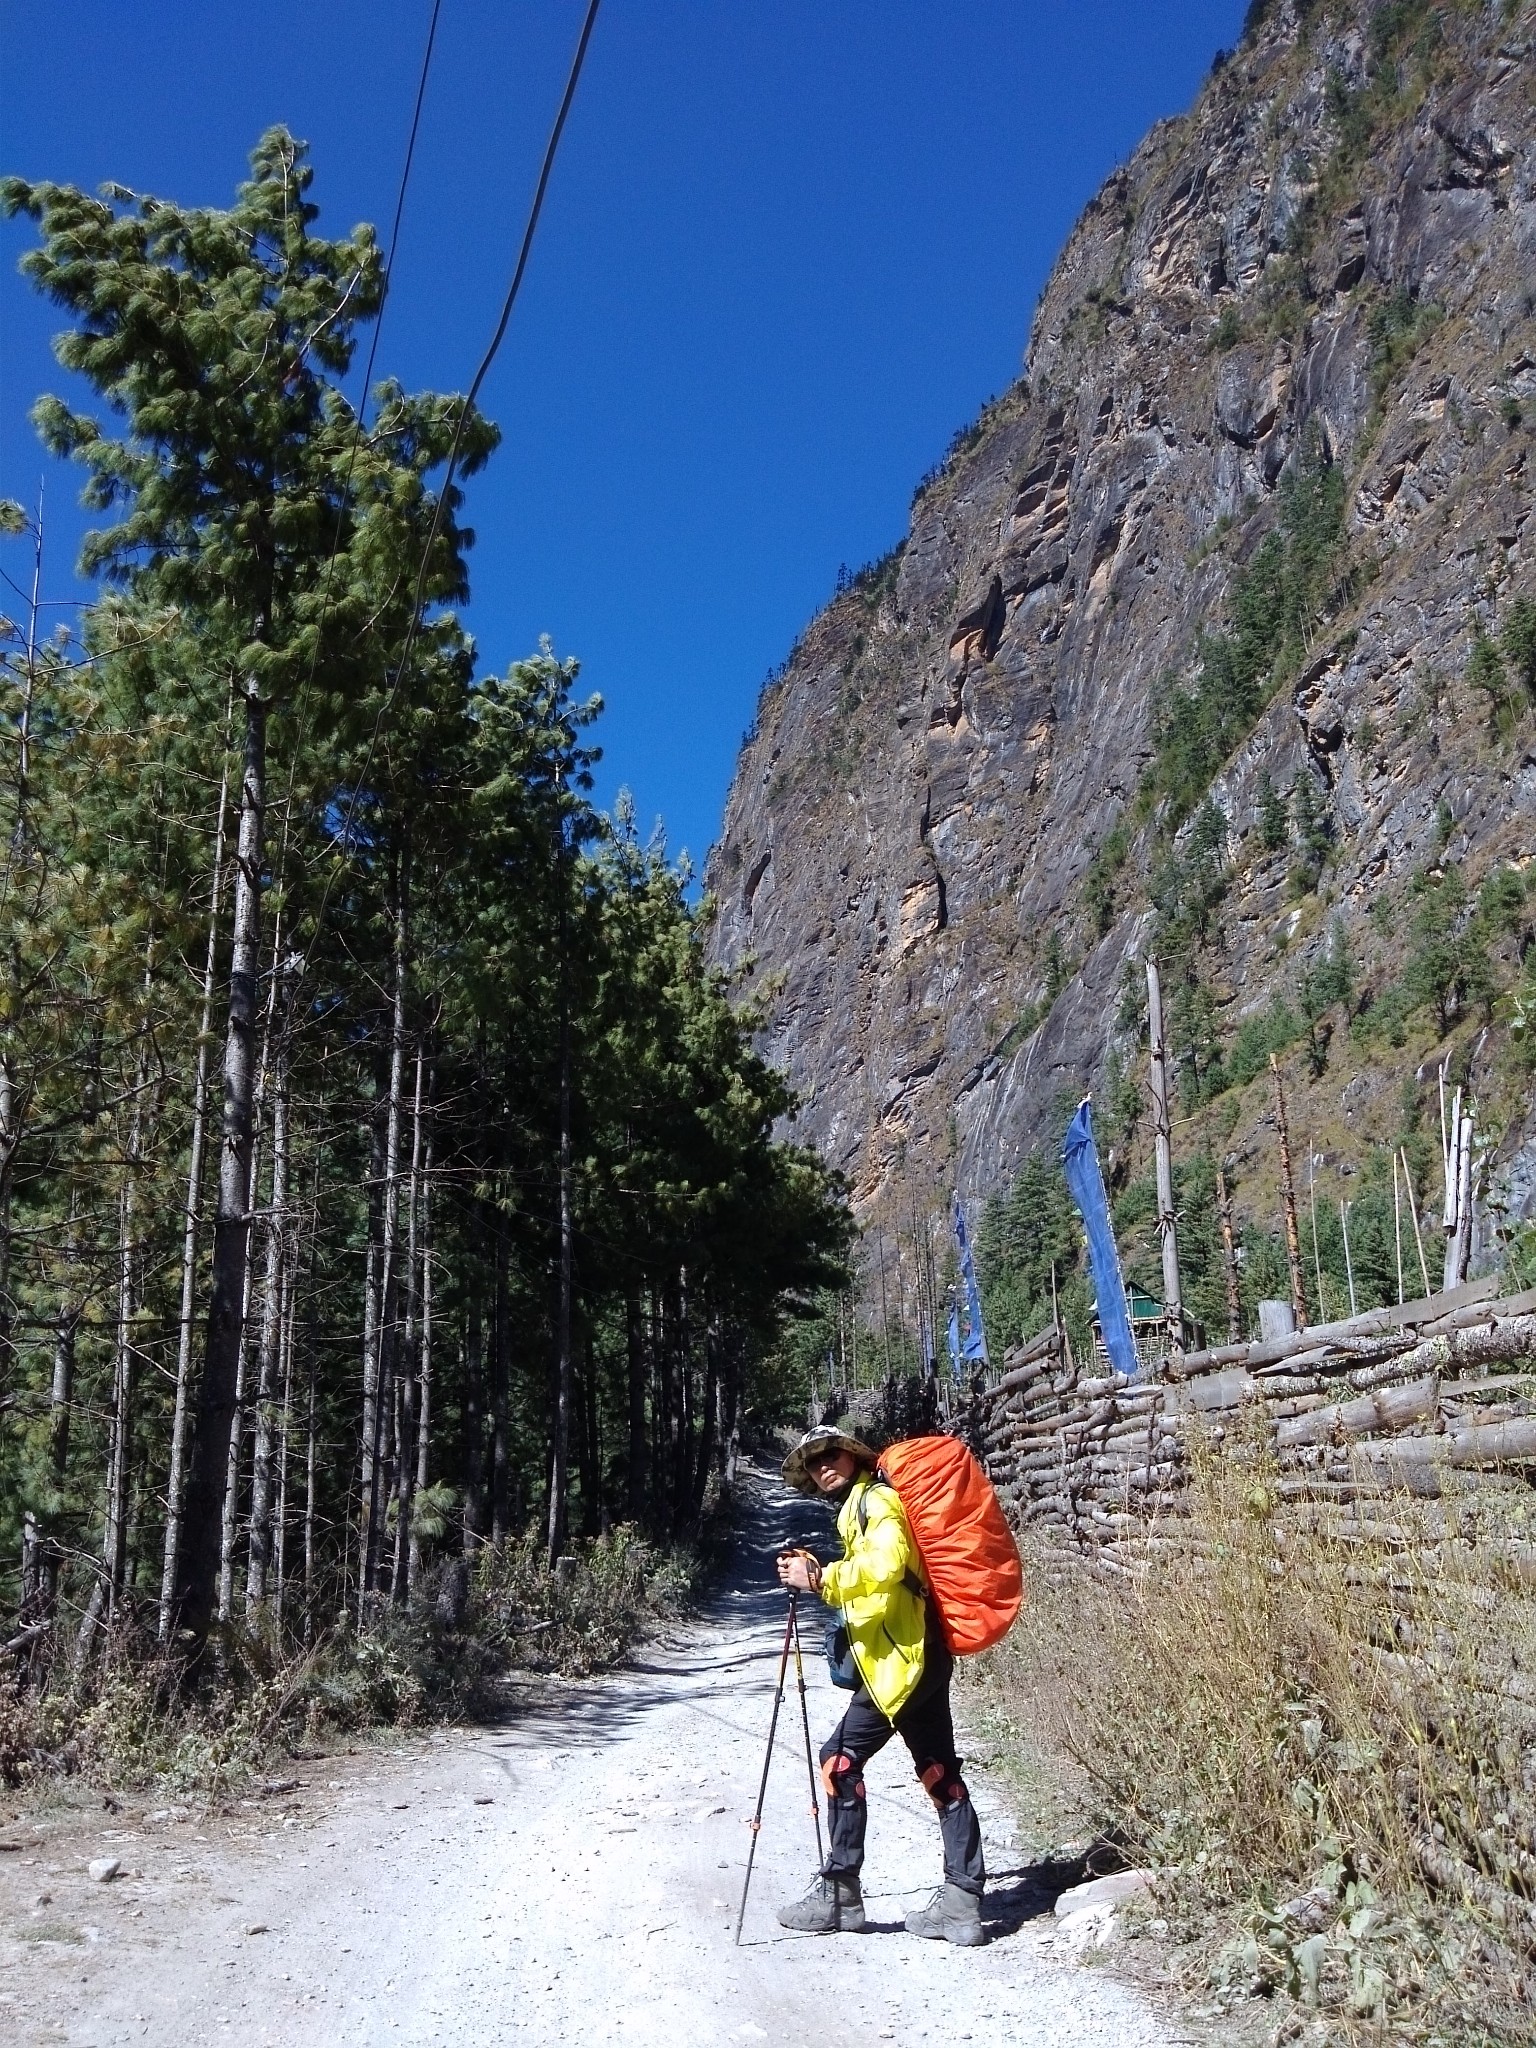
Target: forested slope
1215,638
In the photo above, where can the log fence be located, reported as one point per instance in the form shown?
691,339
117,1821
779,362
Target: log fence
1425,1397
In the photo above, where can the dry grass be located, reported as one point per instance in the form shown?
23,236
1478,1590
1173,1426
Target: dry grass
119,1721
1323,1731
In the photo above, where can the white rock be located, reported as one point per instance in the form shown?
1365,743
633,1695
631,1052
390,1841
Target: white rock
1102,1894
102,1869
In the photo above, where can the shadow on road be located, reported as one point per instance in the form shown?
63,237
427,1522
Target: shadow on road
739,1629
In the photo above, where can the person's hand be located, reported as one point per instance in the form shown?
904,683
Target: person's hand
799,1569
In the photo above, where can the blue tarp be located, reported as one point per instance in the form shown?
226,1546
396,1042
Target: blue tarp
1085,1181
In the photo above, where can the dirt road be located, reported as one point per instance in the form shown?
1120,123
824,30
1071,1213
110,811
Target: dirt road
571,1874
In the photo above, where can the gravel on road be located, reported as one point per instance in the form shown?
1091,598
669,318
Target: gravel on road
571,1873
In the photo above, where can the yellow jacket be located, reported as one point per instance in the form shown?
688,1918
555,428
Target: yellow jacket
878,1586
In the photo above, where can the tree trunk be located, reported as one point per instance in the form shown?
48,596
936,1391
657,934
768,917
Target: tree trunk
474,1427
501,1389
284,1438
709,1420
424,1341
634,1337
682,1452
229,1525
560,1434
198,1565
309,1497
375,1478
405,1464
191,1217
114,1542
1167,1228
372,1325
10,1141
661,1408
240,1419
273,1305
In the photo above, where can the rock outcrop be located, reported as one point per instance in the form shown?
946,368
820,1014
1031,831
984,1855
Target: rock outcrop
1331,260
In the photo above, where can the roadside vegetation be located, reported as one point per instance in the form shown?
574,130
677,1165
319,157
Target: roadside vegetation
1314,1733
121,1721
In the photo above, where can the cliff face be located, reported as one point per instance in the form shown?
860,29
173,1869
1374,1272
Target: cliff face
1328,267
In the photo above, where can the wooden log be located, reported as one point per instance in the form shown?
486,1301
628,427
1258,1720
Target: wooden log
1231,1388
1477,1301
1486,1443
1390,1408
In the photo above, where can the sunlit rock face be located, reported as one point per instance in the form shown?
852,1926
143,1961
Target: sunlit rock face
907,844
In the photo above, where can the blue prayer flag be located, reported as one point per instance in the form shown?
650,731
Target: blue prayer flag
1080,1162
975,1345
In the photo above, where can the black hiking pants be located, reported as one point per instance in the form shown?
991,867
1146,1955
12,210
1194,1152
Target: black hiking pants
927,1727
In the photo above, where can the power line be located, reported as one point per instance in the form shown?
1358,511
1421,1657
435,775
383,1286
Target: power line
551,147
367,383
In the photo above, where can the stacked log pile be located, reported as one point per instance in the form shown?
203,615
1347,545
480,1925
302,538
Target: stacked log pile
1428,1397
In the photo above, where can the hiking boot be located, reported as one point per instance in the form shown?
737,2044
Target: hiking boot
833,1905
950,1915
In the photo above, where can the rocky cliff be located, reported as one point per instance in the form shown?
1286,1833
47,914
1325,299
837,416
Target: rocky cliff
997,766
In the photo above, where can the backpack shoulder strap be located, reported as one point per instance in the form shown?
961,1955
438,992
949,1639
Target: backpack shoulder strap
861,1505
910,1578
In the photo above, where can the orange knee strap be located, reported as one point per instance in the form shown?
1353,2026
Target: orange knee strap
838,1766
941,1788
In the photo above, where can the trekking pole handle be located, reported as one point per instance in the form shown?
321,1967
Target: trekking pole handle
811,1565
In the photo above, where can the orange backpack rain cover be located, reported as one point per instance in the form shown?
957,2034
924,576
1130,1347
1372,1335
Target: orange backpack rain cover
967,1547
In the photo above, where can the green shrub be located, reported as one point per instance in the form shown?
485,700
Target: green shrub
1398,328
1187,884
1312,822
1228,331
1518,640
1272,1030
1328,982
1274,825
1275,601
1486,673
1025,1235
1099,890
583,1616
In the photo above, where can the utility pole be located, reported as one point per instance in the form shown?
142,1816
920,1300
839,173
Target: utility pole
1167,1229
1288,1197
1458,1193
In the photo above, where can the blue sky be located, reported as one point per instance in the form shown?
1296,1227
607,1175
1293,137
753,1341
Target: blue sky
788,250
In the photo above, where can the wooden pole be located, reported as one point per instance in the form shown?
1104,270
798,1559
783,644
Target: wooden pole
1413,1212
1459,1201
1317,1257
1229,1256
1349,1264
1397,1227
1288,1198
1167,1228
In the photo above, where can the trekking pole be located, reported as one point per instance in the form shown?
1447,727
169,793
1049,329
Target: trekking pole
757,1818
805,1723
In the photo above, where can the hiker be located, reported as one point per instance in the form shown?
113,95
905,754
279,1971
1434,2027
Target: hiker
903,1666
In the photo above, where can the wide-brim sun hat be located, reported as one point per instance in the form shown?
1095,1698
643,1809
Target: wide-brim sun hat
796,1467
